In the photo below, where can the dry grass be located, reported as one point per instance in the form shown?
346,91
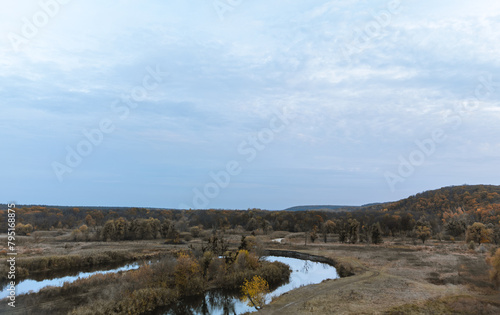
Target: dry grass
399,279
395,277
461,304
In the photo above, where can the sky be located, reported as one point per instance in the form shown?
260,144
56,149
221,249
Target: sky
238,104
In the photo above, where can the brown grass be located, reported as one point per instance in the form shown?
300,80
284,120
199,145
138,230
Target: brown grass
431,279
396,277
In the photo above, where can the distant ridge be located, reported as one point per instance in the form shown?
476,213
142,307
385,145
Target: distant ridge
323,208
437,200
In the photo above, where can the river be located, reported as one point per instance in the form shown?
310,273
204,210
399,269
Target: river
25,286
304,272
218,302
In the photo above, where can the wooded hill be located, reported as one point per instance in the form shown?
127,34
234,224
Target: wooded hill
433,202
323,208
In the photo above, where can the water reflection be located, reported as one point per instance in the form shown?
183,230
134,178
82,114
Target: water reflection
219,302
214,302
34,285
304,272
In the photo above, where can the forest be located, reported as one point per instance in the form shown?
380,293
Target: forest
443,213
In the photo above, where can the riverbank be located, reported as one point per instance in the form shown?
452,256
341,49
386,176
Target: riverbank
395,277
151,286
50,255
439,278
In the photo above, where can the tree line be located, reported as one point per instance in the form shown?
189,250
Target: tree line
447,212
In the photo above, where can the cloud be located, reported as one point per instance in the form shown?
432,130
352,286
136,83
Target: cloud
226,78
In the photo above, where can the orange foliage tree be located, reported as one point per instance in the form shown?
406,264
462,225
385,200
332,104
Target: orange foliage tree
478,233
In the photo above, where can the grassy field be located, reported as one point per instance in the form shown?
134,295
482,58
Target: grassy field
396,277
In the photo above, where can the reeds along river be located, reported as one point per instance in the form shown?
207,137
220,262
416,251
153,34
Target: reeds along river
304,272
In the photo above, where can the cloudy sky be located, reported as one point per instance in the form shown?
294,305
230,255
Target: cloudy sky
242,104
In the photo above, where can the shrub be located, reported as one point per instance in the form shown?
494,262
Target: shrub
24,229
472,245
195,231
245,260
188,275
274,272
217,271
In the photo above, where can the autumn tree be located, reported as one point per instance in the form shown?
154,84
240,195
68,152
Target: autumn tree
478,233
81,234
188,275
145,230
216,243
407,222
255,291
494,261
353,230
343,229
252,225
165,227
108,231
195,231
495,235
24,229
90,221
266,226
327,228
121,228
314,234
376,233
456,226
422,232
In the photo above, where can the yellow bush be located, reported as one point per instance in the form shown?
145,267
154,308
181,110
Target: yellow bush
255,291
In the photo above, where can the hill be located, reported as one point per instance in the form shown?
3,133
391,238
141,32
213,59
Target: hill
466,197
435,202
323,208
